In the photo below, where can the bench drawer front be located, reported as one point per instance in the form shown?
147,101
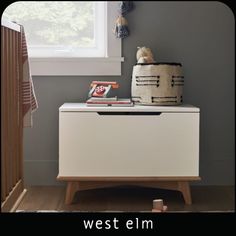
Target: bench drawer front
93,144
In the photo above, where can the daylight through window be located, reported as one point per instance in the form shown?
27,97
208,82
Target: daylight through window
62,29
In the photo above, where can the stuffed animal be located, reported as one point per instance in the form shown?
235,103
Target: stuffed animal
158,206
144,55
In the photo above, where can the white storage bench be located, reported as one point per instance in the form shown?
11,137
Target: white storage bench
156,146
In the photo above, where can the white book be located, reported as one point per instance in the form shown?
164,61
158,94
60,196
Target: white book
110,105
102,99
118,103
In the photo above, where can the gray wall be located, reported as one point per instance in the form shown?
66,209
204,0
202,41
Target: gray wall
200,35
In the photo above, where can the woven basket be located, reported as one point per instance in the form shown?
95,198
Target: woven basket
157,84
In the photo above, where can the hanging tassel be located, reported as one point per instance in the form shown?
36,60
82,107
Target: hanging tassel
125,7
121,29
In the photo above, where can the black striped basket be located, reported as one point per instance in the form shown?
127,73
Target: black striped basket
157,84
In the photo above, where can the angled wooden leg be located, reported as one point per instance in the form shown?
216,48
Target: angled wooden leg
72,188
183,187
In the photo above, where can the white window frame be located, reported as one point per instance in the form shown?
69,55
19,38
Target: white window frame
110,65
64,51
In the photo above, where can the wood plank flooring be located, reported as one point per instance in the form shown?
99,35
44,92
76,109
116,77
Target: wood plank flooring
128,199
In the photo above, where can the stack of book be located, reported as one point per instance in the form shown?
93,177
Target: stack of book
111,101
101,94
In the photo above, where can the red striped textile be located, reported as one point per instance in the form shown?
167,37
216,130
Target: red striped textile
30,103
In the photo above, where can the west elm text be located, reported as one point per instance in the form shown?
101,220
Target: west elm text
114,224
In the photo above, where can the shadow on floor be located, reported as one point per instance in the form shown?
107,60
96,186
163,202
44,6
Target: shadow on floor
129,199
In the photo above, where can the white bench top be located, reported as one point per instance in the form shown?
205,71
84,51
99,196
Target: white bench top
71,107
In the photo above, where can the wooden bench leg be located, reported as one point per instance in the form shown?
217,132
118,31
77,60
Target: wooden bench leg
72,188
183,187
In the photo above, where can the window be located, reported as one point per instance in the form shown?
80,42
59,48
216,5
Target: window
69,38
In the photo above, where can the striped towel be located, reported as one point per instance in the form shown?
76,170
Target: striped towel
29,99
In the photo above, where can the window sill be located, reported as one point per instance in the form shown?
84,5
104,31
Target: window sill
76,66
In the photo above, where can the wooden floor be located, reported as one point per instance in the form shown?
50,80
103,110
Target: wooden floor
128,199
